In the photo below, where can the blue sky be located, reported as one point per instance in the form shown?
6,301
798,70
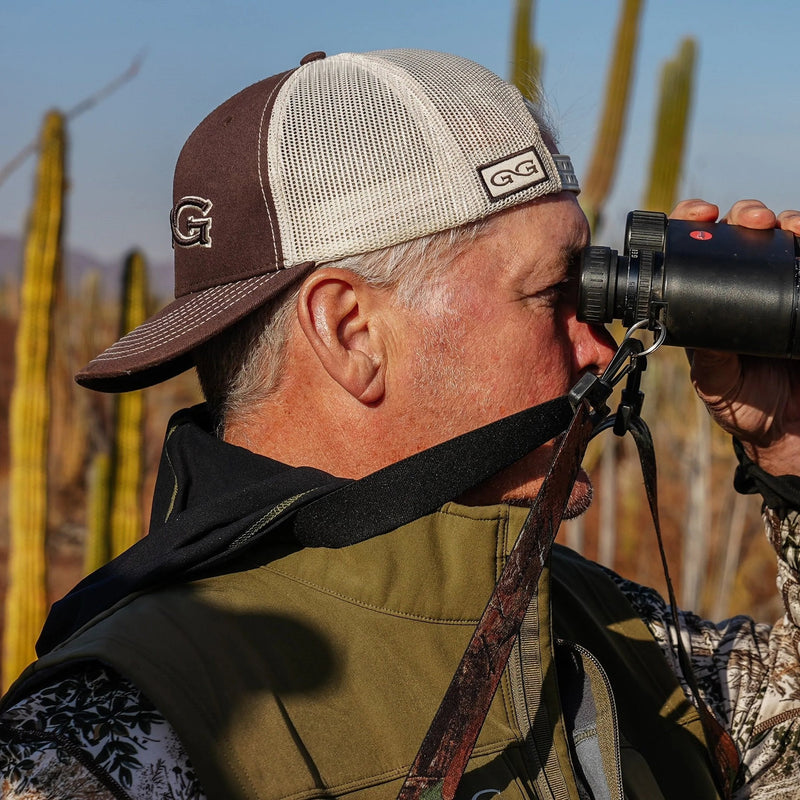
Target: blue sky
198,52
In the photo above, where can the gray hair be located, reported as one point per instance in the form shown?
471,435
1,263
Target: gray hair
241,367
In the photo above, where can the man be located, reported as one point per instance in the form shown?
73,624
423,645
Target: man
376,254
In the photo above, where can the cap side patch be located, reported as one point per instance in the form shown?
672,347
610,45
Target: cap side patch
513,174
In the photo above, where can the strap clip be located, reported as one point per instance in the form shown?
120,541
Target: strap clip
597,389
631,360
632,398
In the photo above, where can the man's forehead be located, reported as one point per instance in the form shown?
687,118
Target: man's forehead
543,239
556,222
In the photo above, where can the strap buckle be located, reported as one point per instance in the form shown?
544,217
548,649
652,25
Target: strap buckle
630,360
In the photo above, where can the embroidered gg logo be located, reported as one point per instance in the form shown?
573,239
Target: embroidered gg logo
512,174
504,177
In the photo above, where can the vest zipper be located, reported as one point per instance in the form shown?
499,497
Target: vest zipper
784,716
616,791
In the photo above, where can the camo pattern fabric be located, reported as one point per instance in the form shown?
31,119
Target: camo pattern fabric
748,673
94,735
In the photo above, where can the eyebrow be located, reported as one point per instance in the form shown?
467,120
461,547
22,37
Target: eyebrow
570,255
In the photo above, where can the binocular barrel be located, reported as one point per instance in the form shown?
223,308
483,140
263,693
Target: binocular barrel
710,285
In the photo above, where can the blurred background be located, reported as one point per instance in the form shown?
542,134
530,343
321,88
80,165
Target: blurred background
132,80
196,54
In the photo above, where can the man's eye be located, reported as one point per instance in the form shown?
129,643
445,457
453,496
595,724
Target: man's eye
563,290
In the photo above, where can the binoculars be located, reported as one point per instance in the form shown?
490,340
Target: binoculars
708,285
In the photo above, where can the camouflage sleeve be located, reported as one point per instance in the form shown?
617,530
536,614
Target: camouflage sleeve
92,734
41,768
748,673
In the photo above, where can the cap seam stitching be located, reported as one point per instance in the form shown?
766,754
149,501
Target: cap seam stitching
117,351
260,175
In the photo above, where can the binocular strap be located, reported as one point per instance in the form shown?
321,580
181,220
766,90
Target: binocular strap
724,756
448,744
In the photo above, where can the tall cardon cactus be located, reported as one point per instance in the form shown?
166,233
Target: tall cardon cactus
29,418
677,78
98,546
602,167
526,56
126,524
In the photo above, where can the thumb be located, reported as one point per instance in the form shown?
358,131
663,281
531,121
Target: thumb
715,375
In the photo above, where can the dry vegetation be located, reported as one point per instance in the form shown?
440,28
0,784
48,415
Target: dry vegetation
81,426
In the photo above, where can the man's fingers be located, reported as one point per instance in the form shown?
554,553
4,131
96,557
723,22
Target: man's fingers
695,209
790,221
750,214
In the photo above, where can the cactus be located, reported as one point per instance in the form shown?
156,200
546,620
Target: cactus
126,519
97,550
526,58
29,418
70,418
603,164
677,77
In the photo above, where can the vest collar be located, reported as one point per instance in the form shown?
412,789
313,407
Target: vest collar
454,554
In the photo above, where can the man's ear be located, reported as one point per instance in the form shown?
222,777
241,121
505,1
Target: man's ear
338,313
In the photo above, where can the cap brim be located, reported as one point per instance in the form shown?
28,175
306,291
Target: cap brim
160,348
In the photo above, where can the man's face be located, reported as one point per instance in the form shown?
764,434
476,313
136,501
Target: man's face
502,336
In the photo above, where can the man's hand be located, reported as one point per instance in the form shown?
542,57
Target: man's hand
755,399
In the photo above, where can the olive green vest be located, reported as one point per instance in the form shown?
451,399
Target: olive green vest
315,673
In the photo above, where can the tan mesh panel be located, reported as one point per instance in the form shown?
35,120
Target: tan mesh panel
390,150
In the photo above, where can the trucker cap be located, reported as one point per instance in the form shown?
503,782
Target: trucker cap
342,155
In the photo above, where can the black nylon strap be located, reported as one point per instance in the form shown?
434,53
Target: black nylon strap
419,485
205,537
780,492
724,756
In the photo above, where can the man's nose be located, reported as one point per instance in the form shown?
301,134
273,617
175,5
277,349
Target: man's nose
593,347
